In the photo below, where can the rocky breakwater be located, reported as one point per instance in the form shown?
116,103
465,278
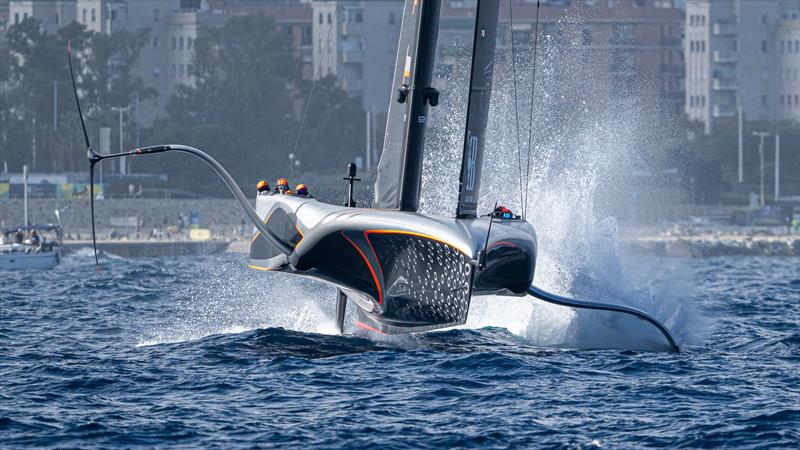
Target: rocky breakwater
705,245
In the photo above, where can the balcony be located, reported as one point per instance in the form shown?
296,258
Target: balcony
724,84
724,111
670,42
352,28
353,85
723,29
352,56
724,57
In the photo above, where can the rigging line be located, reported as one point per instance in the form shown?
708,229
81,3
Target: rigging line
298,75
516,107
530,125
314,84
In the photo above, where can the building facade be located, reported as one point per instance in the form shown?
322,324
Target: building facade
53,14
628,50
361,38
633,46
742,54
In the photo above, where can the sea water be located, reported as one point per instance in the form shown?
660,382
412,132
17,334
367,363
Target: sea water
198,351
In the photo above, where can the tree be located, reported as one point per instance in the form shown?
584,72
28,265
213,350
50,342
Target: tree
39,72
246,105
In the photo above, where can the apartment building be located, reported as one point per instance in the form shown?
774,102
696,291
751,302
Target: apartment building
53,14
628,50
3,15
633,46
293,17
742,54
361,47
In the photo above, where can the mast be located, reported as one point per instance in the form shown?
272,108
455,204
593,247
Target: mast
480,93
400,168
25,192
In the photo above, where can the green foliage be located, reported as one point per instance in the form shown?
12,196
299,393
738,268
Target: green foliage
723,146
247,103
38,74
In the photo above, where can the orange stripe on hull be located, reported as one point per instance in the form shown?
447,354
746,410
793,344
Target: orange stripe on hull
371,270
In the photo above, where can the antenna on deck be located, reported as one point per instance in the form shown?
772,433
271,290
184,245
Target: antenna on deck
350,178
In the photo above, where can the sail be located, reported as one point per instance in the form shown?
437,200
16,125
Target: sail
400,169
480,93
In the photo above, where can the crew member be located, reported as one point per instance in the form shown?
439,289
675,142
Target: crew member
262,187
35,240
282,186
501,212
301,190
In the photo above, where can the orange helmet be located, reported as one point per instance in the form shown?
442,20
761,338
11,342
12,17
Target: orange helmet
301,189
262,186
282,185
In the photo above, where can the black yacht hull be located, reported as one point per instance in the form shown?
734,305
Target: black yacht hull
406,272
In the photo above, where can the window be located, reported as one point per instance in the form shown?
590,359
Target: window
764,46
155,42
94,15
320,18
764,18
796,98
586,36
392,18
156,14
330,18
764,101
174,43
16,18
113,14
174,71
783,46
180,43
359,16
84,15
623,32
180,71
189,42
190,70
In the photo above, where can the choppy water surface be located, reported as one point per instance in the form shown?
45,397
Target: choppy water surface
201,352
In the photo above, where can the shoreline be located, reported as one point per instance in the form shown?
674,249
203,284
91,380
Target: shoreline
671,246
710,245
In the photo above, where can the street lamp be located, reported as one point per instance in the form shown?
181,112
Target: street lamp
761,135
122,168
55,105
291,163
